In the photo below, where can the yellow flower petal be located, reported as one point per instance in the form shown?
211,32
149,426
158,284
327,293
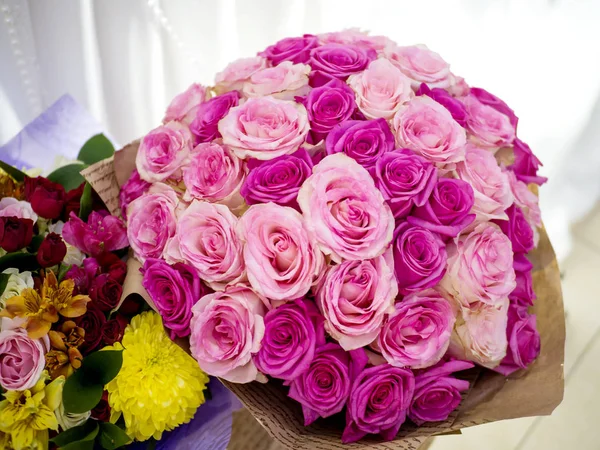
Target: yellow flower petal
54,393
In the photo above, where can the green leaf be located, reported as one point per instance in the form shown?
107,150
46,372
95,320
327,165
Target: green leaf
3,281
62,270
79,394
77,435
13,172
96,149
36,241
151,444
112,437
19,260
68,176
102,366
85,204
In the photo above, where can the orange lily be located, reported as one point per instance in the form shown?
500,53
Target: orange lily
61,296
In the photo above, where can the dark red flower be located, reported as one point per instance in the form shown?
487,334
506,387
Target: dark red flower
102,410
114,329
113,266
47,198
15,233
92,322
105,292
72,200
52,251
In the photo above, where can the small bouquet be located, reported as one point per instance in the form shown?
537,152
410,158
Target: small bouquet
345,230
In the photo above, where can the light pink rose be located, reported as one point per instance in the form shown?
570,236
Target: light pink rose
232,78
344,211
284,81
354,297
226,330
488,127
427,128
480,334
22,359
214,174
421,65
163,151
206,240
11,207
282,260
184,106
417,333
151,221
480,267
264,128
526,200
381,89
490,184
354,36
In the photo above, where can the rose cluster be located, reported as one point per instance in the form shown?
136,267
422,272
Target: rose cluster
348,216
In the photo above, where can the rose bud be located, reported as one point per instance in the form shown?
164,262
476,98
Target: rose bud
52,251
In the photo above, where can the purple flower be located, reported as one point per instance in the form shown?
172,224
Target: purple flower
437,393
339,60
292,333
327,106
133,188
523,293
419,258
80,278
294,49
491,100
365,141
378,403
174,290
526,164
325,386
521,263
447,210
405,179
453,105
101,233
205,126
518,230
277,180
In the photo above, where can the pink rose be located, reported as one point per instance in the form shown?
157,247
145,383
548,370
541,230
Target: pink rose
480,267
490,184
284,81
11,207
417,334
526,200
264,128
151,221
345,211
354,298
421,65
488,127
381,89
282,260
480,334
21,358
184,106
206,240
226,330
214,174
427,128
232,78
356,37
163,151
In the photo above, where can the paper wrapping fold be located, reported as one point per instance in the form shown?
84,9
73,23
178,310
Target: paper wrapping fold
536,391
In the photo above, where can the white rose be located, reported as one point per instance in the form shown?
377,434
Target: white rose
16,283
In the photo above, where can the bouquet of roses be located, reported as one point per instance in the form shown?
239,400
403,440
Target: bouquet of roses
348,221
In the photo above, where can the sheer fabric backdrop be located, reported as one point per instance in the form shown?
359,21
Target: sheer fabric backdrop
124,60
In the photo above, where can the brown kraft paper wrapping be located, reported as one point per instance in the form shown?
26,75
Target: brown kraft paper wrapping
532,392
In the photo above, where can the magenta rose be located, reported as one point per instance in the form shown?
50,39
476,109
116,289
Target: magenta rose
324,387
447,211
488,127
174,290
292,333
354,297
327,106
277,180
379,400
151,221
526,164
523,341
363,140
517,229
184,106
417,333
294,49
133,188
204,127
523,294
419,258
340,61
226,331
421,65
282,260
405,179
491,100
102,233
437,393
344,211
162,152
453,105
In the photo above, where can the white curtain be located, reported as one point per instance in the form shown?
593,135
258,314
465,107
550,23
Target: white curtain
123,61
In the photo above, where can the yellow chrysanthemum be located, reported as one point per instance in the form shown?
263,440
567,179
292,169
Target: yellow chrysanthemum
159,386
